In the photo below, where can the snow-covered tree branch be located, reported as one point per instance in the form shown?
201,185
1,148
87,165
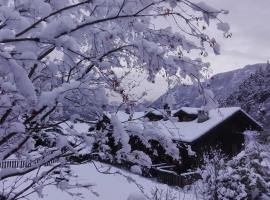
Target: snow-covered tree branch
58,61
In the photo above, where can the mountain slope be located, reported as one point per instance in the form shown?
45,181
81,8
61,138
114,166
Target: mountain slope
223,85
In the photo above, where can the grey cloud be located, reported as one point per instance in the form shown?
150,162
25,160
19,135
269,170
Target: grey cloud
251,34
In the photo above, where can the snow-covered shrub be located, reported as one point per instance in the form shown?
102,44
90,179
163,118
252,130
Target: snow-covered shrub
252,168
162,194
214,163
246,176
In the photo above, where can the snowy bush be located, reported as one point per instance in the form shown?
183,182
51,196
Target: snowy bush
162,194
246,176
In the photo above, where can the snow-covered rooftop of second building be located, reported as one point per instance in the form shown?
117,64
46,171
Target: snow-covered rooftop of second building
189,110
182,131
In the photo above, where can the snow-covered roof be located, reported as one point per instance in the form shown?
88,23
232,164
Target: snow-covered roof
188,110
156,111
182,131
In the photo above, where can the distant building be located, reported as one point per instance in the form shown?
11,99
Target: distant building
201,130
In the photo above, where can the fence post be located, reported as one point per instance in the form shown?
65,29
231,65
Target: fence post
22,164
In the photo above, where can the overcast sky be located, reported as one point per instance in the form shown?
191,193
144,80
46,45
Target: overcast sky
249,21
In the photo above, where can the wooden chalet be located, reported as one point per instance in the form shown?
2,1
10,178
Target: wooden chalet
220,128
196,132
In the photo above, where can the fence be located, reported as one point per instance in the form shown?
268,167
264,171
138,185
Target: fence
23,163
17,163
172,178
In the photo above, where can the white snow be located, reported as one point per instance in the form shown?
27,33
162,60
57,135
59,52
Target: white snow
118,130
56,27
17,127
28,55
136,169
123,117
49,97
136,197
111,186
23,83
79,127
6,34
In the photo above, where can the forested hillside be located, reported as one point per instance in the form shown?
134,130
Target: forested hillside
253,95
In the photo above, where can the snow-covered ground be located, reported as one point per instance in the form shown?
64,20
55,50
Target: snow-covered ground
112,186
